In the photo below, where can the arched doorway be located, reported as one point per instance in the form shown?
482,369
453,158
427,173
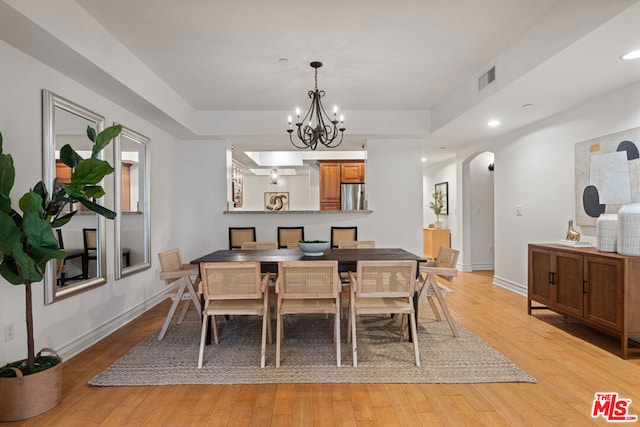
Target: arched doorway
478,213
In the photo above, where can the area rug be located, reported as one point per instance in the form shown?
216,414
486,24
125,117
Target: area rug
308,356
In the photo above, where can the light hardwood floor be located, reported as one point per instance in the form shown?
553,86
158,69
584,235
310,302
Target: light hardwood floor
570,362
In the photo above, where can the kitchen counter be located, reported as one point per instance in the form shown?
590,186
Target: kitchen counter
313,212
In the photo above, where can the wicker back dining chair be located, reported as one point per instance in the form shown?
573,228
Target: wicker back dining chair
339,234
90,240
383,287
234,288
184,281
444,267
288,235
308,287
239,235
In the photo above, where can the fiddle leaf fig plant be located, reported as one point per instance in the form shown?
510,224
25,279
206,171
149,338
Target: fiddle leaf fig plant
27,240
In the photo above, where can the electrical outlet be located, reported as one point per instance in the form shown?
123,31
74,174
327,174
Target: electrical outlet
518,210
9,332
490,248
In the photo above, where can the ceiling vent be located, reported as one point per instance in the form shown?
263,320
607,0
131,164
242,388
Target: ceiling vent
487,78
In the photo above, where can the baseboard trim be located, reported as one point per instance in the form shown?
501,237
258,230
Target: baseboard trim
483,266
78,345
509,285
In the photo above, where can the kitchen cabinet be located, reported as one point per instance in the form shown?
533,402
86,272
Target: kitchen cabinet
598,288
433,238
352,173
332,174
329,186
63,172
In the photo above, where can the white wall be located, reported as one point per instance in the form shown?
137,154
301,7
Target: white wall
298,187
394,188
535,170
72,324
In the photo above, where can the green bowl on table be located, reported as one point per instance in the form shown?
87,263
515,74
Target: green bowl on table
313,247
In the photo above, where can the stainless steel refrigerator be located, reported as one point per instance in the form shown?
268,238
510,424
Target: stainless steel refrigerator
352,197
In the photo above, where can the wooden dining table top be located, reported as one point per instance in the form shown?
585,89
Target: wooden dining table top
347,258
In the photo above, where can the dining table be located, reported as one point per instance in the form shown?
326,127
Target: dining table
347,259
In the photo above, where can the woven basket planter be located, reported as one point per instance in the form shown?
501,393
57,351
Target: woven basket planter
25,396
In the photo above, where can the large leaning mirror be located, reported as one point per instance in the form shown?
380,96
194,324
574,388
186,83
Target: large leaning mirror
132,242
65,122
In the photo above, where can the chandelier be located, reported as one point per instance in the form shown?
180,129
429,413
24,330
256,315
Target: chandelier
316,126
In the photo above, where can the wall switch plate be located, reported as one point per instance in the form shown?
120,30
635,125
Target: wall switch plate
9,332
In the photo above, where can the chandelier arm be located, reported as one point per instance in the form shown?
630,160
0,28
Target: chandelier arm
320,129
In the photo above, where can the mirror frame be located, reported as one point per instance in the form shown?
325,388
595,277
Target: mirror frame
51,102
133,136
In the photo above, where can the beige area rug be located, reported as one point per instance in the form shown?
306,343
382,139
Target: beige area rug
308,356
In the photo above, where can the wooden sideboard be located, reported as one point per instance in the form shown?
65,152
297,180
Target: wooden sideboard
433,238
601,289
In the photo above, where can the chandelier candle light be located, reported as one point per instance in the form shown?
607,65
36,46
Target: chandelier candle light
314,126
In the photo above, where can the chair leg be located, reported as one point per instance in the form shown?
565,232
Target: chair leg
183,312
172,310
263,349
353,336
203,338
434,308
337,332
278,338
215,328
445,309
266,328
414,335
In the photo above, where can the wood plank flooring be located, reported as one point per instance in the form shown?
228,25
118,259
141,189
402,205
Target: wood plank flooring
571,363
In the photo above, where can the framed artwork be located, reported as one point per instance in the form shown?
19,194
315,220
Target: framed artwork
236,184
443,187
607,172
276,201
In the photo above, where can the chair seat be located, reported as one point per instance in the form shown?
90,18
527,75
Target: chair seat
383,305
234,306
292,306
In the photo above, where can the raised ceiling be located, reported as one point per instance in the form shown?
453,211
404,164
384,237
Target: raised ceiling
386,59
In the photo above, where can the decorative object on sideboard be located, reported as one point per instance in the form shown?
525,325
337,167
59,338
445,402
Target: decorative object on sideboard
607,232
629,229
573,238
571,233
316,126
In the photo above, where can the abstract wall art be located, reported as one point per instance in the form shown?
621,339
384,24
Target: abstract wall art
607,175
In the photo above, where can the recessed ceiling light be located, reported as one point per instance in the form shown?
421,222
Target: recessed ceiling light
283,60
493,123
634,54
527,105
424,159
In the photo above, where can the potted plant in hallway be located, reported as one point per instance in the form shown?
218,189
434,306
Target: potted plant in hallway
437,205
27,243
